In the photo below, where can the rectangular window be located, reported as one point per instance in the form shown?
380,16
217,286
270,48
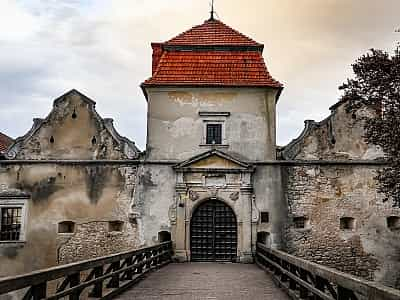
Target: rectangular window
264,217
214,134
10,223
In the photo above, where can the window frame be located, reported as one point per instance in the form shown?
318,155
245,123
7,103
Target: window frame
15,203
220,122
216,129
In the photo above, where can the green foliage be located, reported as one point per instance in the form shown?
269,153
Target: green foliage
377,84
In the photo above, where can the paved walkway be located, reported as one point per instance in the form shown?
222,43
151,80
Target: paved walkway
208,281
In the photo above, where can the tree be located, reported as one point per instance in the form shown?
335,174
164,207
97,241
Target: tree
377,84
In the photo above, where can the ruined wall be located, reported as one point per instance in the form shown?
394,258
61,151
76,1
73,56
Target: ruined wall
95,239
89,195
323,194
71,168
73,130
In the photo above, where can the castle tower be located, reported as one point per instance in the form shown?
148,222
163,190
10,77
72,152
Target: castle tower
211,121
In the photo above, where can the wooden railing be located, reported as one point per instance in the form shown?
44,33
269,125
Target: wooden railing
99,278
306,280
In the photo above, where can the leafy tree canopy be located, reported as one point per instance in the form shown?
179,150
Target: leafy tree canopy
377,84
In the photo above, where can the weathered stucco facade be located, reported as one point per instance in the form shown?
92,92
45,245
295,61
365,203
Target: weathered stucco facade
58,179
83,191
345,219
177,120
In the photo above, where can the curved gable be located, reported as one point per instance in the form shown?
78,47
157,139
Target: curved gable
73,130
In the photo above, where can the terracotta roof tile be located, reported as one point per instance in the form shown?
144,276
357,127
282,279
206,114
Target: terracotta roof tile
211,54
227,68
5,142
212,32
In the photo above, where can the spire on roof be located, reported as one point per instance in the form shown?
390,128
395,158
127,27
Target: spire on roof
212,10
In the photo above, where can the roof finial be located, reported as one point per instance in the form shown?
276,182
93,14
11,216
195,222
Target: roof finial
212,10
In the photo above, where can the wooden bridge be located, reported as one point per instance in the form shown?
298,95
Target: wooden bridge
149,274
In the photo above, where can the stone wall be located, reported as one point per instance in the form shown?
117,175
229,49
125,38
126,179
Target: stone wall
321,195
71,196
95,239
77,176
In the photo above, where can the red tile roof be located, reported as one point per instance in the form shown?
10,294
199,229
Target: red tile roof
5,142
233,68
212,32
211,54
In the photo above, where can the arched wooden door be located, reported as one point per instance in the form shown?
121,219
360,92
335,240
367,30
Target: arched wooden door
213,232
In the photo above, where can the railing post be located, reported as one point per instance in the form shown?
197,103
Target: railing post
343,294
319,285
114,282
303,290
139,260
39,291
74,281
97,291
292,283
129,273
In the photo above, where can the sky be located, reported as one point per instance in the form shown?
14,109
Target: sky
102,48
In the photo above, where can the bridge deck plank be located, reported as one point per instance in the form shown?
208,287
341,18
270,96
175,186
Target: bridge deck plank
206,281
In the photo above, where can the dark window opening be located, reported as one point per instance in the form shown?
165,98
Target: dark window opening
347,223
214,134
264,238
393,223
164,236
264,217
66,227
74,115
300,222
115,226
52,139
94,141
11,220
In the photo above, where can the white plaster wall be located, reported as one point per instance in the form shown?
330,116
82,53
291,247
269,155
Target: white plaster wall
175,129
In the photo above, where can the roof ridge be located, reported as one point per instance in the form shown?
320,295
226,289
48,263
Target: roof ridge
208,33
238,32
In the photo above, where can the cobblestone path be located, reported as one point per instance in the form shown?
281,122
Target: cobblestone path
208,281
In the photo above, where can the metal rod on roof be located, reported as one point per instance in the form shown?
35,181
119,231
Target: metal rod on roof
212,10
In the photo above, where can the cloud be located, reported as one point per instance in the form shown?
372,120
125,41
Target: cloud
102,48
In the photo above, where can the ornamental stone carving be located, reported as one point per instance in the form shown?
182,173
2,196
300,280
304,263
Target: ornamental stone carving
172,214
255,212
214,192
193,195
234,196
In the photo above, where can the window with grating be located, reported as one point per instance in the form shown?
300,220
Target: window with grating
10,223
300,222
214,134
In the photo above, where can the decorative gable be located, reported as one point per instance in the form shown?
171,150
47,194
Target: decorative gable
73,130
213,160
